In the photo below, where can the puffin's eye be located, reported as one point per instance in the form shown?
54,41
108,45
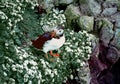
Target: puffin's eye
60,31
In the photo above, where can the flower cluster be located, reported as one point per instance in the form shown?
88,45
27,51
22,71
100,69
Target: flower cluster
11,13
27,68
77,48
26,64
52,19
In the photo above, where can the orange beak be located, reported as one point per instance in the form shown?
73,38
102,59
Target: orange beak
53,34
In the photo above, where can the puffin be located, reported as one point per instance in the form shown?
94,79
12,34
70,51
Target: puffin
50,41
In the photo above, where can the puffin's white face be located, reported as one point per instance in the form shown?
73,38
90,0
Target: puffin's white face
59,31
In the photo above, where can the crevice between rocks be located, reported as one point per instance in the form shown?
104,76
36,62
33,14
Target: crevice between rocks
114,28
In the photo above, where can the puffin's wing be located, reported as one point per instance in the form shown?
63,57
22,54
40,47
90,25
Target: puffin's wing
39,42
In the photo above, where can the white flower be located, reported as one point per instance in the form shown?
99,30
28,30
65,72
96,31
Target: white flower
17,1
71,76
78,60
71,33
68,49
3,17
6,44
20,57
83,63
39,76
4,67
10,24
83,43
52,75
73,38
25,54
89,49
26,76
85,32
14,68
76,43
18,20
43,62
19,8
55,11
33,62
79,50
38,81
78,69
48,71
32,7
53,80
67,43
5,74
55,71
30,82
88,56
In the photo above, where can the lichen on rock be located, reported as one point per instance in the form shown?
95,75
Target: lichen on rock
86,23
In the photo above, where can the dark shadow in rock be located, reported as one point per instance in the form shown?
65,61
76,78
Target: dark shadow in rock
61,7
116,72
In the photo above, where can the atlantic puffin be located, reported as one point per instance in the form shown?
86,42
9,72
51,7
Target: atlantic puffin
50,41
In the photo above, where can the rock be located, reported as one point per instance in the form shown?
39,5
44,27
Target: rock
112,55
94,7
110,3
116,72
46,4
116,17
106,33
86,23
96,65
84,9
118,6
72,13
116,40
109,11
65,2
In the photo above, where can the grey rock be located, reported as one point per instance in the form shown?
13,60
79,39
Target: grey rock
110,3
86,23
106,33
116,40
109,11
71,13
116,17
84,9
118,5
94,7
65,1
62,2
112,55
46,4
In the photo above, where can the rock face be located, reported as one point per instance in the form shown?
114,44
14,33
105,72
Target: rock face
116,17
86,23
106,33
72,13
65,2
116,40
94,7
109,11
113,55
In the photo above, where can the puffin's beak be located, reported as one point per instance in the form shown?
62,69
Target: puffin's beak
53,33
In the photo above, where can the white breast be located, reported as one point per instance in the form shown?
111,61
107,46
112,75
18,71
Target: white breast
53,44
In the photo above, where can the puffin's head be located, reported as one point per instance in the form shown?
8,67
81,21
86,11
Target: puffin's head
59,30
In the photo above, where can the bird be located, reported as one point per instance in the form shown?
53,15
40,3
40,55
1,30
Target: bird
50,41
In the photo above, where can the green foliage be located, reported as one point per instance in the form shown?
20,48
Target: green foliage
52,20
21,63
